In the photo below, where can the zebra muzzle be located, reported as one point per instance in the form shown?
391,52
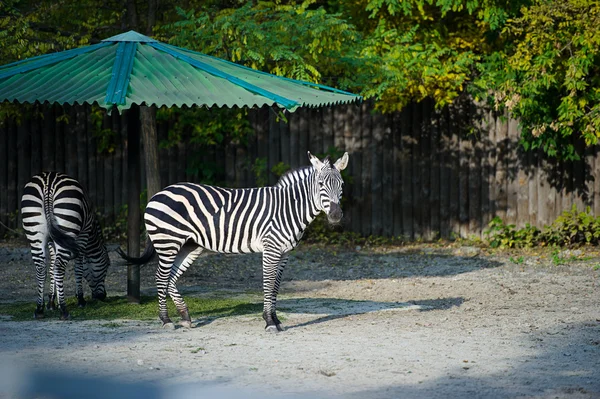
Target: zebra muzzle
335,213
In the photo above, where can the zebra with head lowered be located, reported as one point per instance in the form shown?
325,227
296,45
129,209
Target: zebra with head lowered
184,219
60,223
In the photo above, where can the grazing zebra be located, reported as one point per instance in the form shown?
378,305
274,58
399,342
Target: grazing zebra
186,218
60,223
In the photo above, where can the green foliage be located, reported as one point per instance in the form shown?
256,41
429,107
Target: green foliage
284,39
548,77
260,172
501,235
572,228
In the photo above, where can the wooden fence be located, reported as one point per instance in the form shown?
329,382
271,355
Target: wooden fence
421,173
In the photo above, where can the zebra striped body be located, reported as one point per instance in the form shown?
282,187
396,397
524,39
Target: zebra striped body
60,224
186,218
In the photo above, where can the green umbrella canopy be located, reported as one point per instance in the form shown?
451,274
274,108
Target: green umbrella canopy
131,68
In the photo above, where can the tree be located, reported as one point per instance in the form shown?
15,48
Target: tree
549,78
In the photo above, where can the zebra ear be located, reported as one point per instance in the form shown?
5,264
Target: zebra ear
315,161
341,163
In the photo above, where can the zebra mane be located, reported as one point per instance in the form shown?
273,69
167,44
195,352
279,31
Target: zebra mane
291,177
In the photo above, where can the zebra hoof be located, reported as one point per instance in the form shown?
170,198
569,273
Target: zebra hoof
65,316
185,323
271,329
168,326
38,315
280,327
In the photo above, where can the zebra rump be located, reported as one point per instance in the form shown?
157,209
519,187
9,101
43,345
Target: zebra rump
61,225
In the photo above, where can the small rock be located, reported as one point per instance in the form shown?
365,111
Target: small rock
140,362
469,252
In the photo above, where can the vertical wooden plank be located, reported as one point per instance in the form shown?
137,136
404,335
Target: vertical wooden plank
284,132
353,143
424,168
91,151
108,186
406,145
454,127
252,149
545,197
579,192
295,155
36,141
589,178
487,150
23,160
229,163
376,149
533,185
435,170
501,168
366,175
48,138
182,162
81,144
341,126
315,134
595,175
327,129
274,146
386,155
12,203
163,153
396,165
60,144
463,176
419,205
303,136
5,131
474,173
521,177
512,182
447,153
71,143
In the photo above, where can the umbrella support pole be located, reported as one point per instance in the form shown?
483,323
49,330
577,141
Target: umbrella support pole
133,202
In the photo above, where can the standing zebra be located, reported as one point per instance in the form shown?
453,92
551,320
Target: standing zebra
59,221
186,218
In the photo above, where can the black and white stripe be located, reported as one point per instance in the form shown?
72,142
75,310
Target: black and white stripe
186,218
60,225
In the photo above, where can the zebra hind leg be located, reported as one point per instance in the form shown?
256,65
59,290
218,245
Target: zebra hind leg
59,275
280,268
186,256
39,259
52,295
79,264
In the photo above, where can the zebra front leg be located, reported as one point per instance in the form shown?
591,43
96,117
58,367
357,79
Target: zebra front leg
60,264
280,269
271,261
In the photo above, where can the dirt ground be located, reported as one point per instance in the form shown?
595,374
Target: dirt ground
409,322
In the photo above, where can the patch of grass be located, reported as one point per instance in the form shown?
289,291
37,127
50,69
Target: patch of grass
119,308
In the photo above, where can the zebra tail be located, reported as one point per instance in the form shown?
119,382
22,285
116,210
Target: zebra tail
63,239
148,254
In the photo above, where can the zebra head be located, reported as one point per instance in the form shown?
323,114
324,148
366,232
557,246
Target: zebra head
328,193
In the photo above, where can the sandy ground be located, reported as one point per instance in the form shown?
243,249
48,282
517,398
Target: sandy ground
409,322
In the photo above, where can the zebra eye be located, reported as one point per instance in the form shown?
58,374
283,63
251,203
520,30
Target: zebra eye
321,183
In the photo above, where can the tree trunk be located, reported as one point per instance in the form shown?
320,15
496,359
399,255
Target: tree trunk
152,7
133,203
148,119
